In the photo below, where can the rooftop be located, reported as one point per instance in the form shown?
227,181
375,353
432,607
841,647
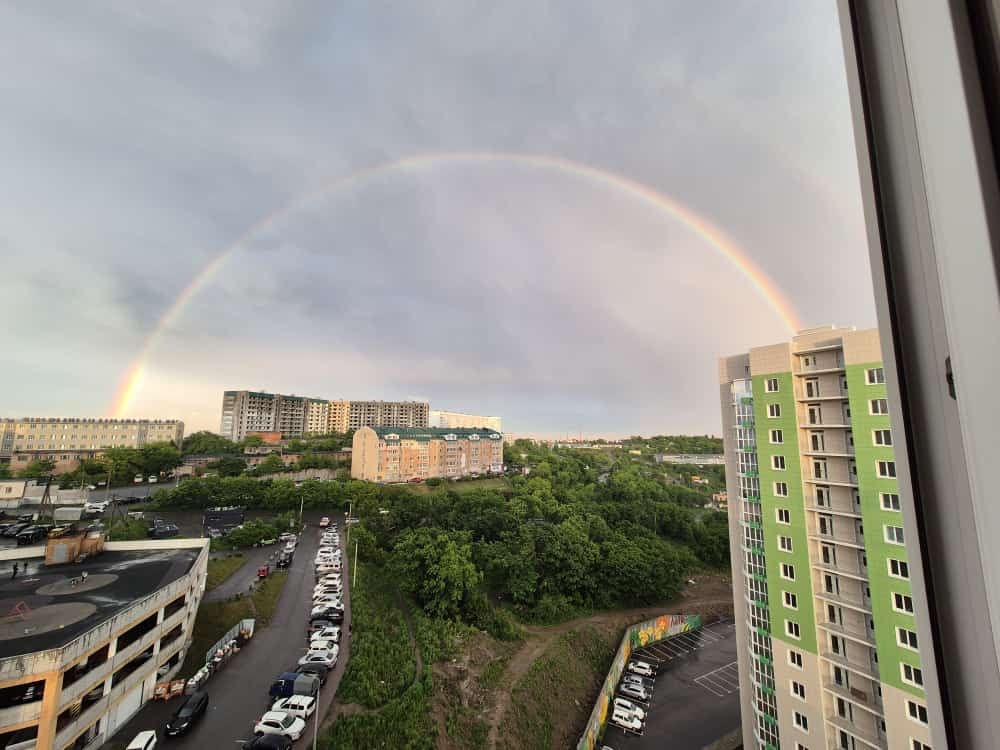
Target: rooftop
40,609
433,433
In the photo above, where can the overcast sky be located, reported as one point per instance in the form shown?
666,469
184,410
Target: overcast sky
140,140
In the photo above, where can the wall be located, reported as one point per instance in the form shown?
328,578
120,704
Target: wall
636,636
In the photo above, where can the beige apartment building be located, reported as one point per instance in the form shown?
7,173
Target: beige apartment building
391,454
68,440
385,414
458,419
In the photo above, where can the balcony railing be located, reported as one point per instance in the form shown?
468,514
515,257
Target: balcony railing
866,699
863,733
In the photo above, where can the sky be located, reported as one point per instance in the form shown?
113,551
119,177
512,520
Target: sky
496,255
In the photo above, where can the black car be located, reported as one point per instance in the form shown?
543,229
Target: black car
268,742
315,668
31,534
192,710
334,616
16,529
164,530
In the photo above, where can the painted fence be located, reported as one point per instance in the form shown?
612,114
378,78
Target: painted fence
638,635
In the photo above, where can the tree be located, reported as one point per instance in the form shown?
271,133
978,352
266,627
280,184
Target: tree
5,472
228,466
271,465
38,468
437,568
206,443
159,458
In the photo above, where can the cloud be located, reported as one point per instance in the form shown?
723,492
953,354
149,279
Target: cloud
142,140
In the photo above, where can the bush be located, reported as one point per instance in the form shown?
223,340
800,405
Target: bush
434,482
553,608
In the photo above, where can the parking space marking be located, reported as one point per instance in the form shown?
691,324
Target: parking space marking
722,681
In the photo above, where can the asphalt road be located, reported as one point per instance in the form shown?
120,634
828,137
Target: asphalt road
696,697
238,694
246,575
131,490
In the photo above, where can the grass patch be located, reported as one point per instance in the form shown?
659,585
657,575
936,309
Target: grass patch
220,568
128,530
403,723
216,618
382,664
489,483
570,670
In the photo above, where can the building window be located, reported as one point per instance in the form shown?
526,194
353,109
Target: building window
795,659
916,711
902,603
890,500
912,675
785,543
778,463
791,600
906,638
774,411
801,722
886,469
918,745
899,569
798,690
771,385
878,406
792,629
783,515
881,437
777,437
875,376
781,489
788,571
893,534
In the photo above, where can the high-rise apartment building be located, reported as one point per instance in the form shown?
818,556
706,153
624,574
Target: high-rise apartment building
458,419
828,651
293,416
391,454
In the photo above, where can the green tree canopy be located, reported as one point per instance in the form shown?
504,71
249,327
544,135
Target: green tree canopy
206,443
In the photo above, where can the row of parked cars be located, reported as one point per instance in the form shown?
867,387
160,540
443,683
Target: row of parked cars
635,691
26,530
295,693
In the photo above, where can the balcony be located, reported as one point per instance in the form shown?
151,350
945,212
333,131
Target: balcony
826,482
833,511
840,569
837,397
82,723
24,712
864,734
85,684
862,636
856,604
809,371
751,473
828,454
865,670
843,540
866,699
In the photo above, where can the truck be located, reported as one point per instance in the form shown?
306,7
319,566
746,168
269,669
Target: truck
294,683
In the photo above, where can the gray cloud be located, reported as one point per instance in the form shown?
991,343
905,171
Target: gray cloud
141,140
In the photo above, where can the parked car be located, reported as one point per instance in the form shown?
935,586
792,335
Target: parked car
329,616
326,658
292,683
323,644
626,720
95,506
188,714
630,707
642,668
284,560
314,669
137,479
143,741
280,722
630,690
329,633
31,535
324,522
268,742
153,479
164,531
301,706
17,528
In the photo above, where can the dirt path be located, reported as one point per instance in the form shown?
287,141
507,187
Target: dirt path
709,594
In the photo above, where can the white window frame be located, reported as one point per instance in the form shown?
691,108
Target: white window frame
893,534
794,658
875,406
912,705
900,576
875,376
913,672
889,467
793,630
801,722
785,543
905,641
903,610
887,503
793,684
790,600
787,571
778,459
776,437
781,489
787,512
768,382
774,411
882,438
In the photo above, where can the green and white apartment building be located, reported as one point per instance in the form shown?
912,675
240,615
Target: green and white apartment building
828,651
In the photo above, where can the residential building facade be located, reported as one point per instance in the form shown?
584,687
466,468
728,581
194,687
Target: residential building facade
458,419
126,627
245,412
399,454
828,651
68,440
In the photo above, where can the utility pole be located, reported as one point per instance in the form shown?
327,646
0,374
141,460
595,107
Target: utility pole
302,503
354,573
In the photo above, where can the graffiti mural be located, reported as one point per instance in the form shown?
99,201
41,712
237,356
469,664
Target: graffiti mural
636,636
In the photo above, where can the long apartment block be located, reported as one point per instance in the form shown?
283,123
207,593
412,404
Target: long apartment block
829,657
244,412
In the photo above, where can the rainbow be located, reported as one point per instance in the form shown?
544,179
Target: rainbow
131,381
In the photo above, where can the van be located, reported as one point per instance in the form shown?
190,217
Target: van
143,741
294,683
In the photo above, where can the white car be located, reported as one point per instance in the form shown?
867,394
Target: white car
641,667
327,591
319,644
330,633
325,606
630,690
152,478
324,522
626,720
629,707
95,506
325,568
280,722
301,706
327,658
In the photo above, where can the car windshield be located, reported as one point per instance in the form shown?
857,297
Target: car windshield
288,720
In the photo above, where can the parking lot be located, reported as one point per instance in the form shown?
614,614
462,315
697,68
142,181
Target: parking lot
694,696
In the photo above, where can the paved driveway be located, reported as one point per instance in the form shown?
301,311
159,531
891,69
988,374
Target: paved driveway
246,574
238,694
